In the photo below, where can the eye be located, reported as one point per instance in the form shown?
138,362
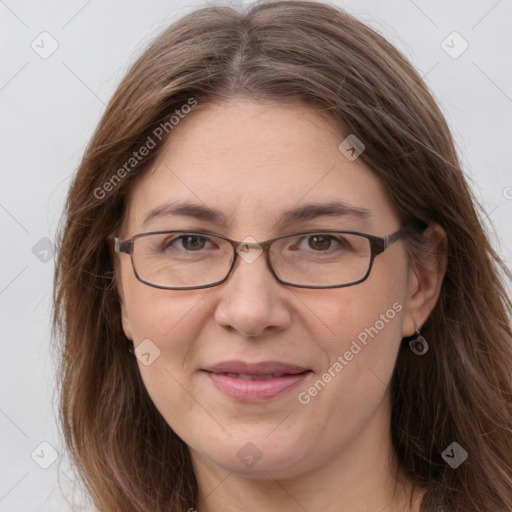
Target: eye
319,242
192,242
186,242
323,242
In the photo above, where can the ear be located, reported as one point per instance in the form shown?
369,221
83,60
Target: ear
425,280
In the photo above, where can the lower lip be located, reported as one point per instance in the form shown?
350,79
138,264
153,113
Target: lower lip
255,390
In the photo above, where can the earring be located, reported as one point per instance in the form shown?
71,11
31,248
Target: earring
419,344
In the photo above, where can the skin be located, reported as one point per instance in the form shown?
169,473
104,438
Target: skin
252,160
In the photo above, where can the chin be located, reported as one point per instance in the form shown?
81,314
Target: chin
256,457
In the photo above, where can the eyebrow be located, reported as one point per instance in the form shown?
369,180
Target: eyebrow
196,211
297,214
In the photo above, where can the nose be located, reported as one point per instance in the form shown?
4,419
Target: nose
252,301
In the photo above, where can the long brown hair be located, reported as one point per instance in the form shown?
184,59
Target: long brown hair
286,51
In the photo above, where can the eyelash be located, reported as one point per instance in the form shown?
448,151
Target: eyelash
168,242
331,238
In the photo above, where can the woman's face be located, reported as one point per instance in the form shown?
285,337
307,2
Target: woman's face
250,162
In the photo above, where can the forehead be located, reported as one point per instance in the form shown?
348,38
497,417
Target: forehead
251,161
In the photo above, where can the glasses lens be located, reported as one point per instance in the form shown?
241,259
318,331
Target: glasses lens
181,259
321,259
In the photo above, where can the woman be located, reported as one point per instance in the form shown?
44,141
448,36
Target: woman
273,289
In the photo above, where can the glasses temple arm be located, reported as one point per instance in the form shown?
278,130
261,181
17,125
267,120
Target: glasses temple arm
391,239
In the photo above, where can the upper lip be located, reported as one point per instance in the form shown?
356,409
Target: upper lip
262,368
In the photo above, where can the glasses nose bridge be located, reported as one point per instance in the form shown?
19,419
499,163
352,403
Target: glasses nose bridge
265,248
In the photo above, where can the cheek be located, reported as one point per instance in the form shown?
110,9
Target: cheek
359,330
350,391
361,340
364,312
171,321
159,315
167,324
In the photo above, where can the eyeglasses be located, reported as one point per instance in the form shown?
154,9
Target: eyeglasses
187,260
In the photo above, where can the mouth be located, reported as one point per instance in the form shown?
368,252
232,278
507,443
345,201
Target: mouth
255,382
248,376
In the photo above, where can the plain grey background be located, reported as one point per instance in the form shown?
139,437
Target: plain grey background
49,107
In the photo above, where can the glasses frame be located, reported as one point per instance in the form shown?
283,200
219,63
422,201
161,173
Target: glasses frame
378,245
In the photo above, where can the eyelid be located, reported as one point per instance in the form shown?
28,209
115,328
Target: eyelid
176,233
330,236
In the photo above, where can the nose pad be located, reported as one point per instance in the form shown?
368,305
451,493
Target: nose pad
248,252
249,249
